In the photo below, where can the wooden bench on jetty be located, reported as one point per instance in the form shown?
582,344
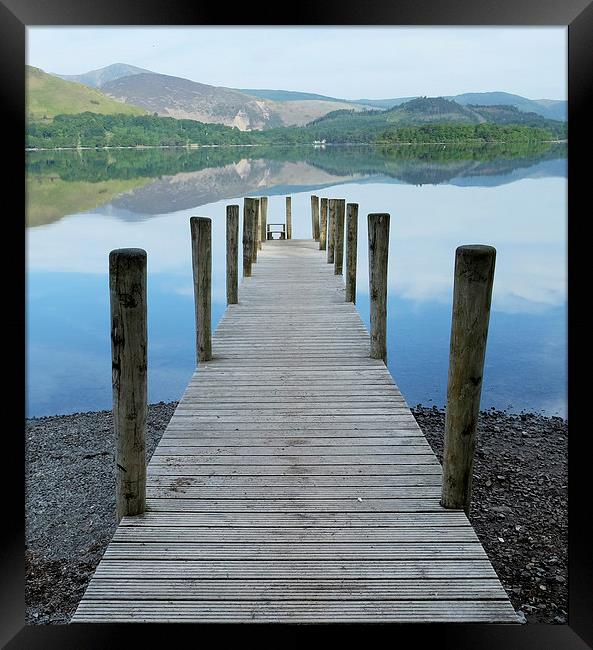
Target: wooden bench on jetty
292,483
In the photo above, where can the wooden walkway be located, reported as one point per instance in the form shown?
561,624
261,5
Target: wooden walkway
292,483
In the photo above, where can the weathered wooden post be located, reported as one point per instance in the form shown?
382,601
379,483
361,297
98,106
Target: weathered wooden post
249,214
472,294
339,237
127,289
288,217
331,220
315,216
323,224
378,227
232,254
256,231
351,250
263,203
201,252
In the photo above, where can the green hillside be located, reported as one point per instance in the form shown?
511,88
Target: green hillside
429,117
48,96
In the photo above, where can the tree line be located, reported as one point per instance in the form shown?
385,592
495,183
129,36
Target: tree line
94,130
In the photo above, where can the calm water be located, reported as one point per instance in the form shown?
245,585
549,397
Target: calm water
82,205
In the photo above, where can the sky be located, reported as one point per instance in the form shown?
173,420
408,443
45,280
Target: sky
349,63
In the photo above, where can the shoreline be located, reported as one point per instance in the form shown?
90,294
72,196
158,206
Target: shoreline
519,504
301,144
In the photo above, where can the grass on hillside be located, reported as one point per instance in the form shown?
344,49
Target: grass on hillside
48,96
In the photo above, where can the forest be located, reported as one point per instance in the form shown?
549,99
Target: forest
119,130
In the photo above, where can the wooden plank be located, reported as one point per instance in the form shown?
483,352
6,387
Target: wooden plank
293,459
180,469
297,611
249,590
289,551
186,424
284,569
277,451
292,481
448,518
293,535
352,504
295,492
282,442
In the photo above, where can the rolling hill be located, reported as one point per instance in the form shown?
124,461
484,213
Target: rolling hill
426,119
554,109
48,96
549,108
437,110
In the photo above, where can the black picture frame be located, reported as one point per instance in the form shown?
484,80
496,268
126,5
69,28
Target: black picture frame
15,16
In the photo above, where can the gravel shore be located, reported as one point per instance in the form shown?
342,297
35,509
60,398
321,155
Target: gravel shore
519,505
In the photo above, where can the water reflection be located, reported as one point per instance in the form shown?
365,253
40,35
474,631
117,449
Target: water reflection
156,181
438,199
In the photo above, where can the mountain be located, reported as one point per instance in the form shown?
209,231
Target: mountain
552,109
431,110
48,96
97,78
384,103
439,110
426,119
181,98
288,95
557,108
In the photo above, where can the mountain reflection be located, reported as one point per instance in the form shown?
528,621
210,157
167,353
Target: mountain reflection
145,182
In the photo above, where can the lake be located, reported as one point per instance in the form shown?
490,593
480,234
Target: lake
82,204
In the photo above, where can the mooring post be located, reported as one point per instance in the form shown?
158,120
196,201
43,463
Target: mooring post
472,294
378,233
263,207
315,216
256,231
288,217
339,237
201,251
127,291
351,250
232,254
249,214
259,222
322,224
331,221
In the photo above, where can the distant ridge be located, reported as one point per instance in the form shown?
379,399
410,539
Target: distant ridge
554,109
256,109
444,114
98,78
170,96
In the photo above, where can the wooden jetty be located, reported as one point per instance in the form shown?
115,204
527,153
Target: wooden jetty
292,483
